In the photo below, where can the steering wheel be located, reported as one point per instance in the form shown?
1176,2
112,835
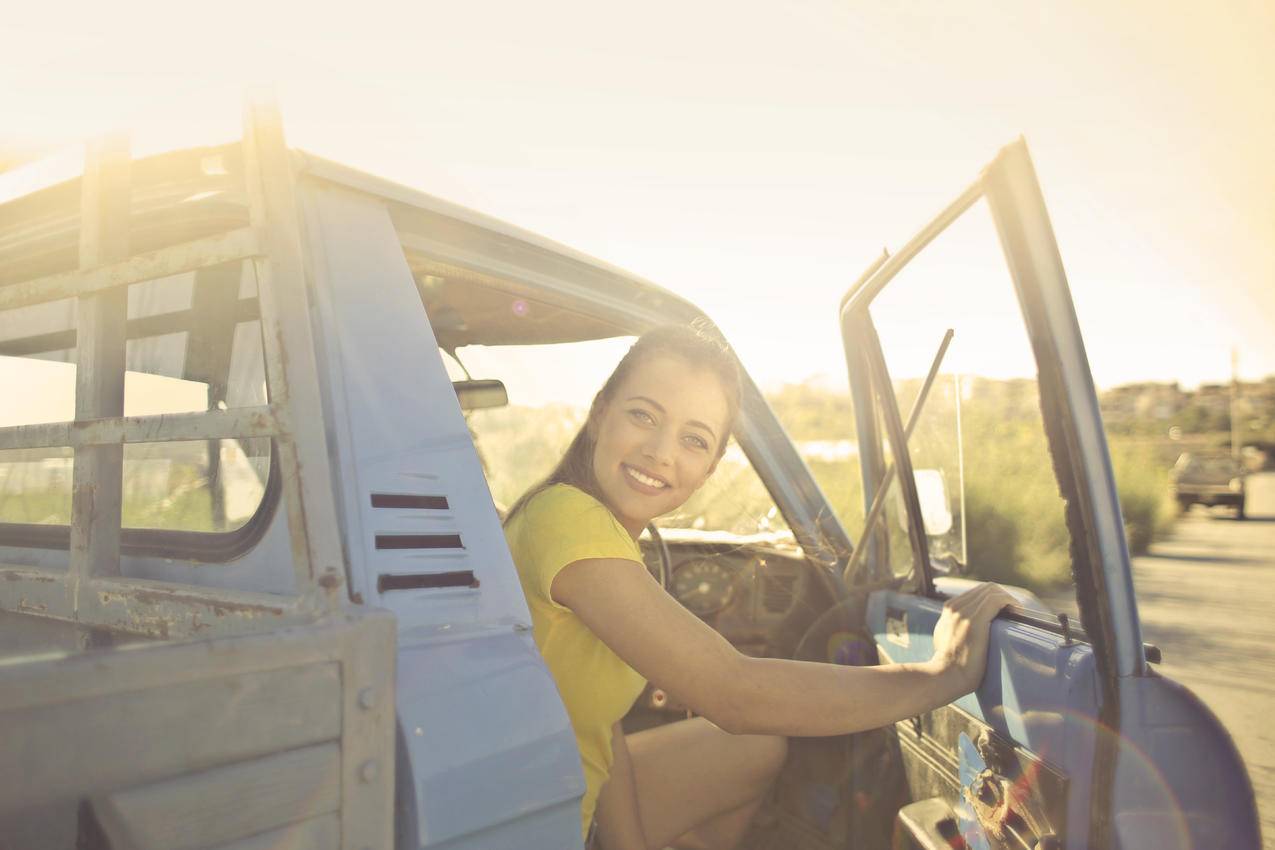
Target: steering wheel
661,549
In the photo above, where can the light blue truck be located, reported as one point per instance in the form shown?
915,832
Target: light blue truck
254,590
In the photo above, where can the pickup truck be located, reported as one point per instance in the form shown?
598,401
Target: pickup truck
262,412
1202,479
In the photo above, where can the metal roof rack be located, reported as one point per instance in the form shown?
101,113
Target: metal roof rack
91,591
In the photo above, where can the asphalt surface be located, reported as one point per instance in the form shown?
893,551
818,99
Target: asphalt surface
1206,597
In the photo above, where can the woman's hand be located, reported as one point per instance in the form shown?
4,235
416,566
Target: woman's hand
961,634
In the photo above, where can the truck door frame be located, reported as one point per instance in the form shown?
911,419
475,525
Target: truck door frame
1073,423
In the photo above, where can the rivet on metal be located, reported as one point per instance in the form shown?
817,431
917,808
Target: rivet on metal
367,698
369,770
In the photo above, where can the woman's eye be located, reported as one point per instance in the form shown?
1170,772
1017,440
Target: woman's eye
642,417
697,442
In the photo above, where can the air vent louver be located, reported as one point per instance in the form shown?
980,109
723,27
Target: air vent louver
409,500
419,541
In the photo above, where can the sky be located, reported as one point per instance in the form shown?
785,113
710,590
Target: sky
754,158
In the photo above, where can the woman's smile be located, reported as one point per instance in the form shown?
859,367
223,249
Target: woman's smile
642,482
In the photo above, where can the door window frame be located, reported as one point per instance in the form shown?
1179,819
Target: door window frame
1073,425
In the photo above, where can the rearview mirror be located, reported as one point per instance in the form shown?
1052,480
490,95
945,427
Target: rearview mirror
478,395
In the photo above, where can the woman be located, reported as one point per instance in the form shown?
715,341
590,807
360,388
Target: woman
655,431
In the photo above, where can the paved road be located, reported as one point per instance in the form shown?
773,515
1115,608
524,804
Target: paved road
1206,597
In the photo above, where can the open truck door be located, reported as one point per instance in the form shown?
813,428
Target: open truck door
973,400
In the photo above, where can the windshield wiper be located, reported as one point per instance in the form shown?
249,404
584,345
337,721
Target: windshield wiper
878,501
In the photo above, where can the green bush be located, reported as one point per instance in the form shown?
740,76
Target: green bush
1014,514
1146,501
1015,520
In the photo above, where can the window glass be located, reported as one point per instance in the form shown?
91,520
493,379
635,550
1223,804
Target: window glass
195,485
818,416
992,505
37,371
35,486
550,389
193,343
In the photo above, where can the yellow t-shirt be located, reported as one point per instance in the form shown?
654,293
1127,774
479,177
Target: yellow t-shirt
558,526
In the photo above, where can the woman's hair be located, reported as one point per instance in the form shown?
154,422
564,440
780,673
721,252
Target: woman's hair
698,344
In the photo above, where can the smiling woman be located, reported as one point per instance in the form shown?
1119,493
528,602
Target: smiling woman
654,433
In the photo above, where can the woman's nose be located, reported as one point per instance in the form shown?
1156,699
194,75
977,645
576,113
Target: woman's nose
659,446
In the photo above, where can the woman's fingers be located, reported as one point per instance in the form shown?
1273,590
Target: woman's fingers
994,601
961,636
974,598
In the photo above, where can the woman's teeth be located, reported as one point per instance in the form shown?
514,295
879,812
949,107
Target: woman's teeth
644,479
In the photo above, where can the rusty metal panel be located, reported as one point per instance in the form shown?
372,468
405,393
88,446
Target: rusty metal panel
122,739
42,593
226,803
367,736
321,833
227,247
96,502
291,364
164,610
99,724
236,423
151,609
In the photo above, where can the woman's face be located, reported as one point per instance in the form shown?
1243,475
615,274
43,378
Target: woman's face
657,439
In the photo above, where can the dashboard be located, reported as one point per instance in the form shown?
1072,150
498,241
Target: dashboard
744,588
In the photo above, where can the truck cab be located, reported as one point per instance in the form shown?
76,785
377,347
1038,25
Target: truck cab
257,395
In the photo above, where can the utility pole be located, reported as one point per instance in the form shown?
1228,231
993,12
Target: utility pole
1235,404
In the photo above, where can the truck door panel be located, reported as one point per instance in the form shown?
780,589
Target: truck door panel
1036,712
1070,740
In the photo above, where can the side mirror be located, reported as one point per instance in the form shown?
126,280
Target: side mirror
478,395
936,509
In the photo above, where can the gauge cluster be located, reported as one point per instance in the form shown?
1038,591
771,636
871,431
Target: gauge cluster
704,585
742,591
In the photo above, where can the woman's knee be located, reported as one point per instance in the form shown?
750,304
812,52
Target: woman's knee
768,754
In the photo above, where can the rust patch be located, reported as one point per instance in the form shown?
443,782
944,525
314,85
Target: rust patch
219,607
153,627
32,577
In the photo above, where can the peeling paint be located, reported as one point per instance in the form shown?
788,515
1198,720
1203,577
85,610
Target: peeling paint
219,607
35,578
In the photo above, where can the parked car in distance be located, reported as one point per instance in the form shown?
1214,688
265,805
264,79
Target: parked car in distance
1208,480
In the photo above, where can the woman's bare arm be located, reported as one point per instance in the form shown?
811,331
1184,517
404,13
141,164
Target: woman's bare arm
628,610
